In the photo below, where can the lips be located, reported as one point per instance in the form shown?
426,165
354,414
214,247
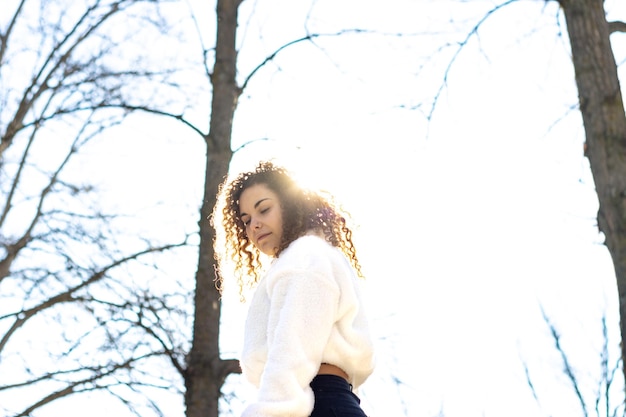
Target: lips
262,236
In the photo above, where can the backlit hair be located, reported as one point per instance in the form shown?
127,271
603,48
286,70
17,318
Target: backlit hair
302,211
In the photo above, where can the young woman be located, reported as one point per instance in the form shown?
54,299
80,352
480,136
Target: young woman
306,343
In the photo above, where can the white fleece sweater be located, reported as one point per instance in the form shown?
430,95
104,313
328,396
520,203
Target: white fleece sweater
307,310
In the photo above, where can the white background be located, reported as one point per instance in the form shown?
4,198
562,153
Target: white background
469,218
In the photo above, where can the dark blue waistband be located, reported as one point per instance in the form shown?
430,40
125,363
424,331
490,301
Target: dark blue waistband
330,383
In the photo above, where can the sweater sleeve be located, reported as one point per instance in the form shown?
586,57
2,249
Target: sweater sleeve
303,307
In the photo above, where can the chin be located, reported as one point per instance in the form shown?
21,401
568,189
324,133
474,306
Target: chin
270,253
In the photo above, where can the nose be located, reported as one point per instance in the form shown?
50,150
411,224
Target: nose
255,223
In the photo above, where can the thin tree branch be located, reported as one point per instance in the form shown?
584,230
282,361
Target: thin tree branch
567,367
617,26
4,37
308,37
473,32
75,386
68,295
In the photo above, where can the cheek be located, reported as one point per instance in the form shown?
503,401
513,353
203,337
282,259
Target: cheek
278,223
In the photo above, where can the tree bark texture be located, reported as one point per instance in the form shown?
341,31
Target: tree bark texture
206,371
602,108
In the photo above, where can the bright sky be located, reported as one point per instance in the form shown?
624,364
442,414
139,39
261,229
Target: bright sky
466,224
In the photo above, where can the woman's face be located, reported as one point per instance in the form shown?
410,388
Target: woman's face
261,213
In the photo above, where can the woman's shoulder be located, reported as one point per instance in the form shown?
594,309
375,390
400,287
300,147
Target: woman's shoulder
310,244
307,262
308,250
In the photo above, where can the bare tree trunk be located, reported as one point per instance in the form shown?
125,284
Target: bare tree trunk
603,115
206,371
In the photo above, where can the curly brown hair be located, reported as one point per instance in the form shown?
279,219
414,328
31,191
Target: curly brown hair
302,211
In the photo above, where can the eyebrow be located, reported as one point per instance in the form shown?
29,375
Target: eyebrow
255,205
